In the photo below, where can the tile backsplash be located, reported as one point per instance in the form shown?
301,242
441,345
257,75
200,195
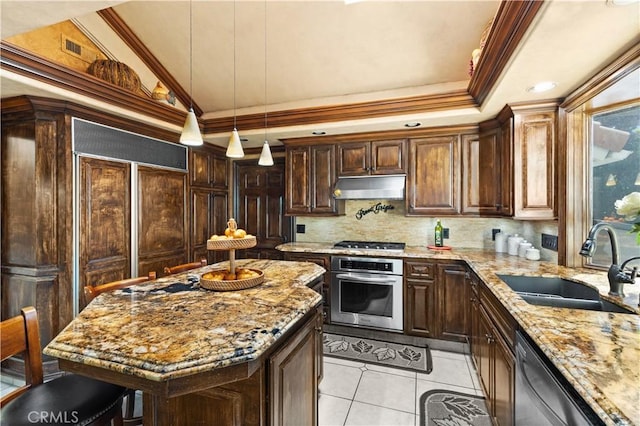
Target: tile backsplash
385,220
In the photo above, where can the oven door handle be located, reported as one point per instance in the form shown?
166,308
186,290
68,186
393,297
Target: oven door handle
364,279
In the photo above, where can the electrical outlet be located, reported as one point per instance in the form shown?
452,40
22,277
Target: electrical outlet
494,231
445,233
550,242
300,229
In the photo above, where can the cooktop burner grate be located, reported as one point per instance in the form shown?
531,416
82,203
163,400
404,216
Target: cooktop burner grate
370,245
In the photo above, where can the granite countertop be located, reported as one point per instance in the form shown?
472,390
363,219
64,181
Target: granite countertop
171,328
597,352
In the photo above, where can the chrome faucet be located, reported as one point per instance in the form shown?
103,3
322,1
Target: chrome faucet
616,275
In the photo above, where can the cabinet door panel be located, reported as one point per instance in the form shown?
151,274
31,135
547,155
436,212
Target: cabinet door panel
433,176
481,184
504,377
388,157
455,303
260,195
354,159
534,166
161,218
105,216
323,179
199,168
420,308
294,379
297,175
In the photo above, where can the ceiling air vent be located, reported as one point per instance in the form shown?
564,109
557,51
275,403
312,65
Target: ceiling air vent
78,50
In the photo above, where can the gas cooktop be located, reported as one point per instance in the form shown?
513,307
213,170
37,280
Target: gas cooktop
370,245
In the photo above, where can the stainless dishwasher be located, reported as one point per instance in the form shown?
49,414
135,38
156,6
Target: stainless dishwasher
542,397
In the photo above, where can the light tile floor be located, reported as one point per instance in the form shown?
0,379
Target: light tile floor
354,393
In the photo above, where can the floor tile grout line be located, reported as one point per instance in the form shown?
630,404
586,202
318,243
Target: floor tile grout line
352,399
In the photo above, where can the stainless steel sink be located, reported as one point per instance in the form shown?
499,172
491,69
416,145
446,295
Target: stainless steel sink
560,293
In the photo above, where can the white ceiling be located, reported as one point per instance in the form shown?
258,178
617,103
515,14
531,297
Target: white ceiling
327,52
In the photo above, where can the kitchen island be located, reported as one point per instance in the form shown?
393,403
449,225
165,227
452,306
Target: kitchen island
206,357
597,353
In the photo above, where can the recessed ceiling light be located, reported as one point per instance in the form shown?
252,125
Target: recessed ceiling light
413,124
543,86
318,132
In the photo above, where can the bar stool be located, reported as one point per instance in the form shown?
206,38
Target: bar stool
168,270
91,292
71,398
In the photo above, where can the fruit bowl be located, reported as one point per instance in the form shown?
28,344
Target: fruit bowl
209,281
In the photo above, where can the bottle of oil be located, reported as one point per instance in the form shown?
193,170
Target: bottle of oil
438,233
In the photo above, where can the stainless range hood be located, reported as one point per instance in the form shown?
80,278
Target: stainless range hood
383,187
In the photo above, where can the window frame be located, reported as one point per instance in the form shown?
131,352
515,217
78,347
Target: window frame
574,157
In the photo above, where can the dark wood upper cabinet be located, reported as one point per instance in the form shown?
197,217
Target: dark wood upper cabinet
534,162
433,176
260,209
310,177
481,173
372,158
209,205
208,169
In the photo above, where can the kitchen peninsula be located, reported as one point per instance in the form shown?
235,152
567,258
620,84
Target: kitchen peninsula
246,357
596,353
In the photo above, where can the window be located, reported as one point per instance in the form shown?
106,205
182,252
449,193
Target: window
615,172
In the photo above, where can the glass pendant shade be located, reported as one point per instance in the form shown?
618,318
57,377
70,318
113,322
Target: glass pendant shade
191,132
234,149
265,156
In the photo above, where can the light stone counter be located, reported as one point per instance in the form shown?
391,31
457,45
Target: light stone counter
170,328
597,352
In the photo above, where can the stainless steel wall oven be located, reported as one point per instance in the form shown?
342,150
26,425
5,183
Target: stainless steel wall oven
366,292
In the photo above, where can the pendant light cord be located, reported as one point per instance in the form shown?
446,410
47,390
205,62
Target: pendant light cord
190,54
265,70
234,64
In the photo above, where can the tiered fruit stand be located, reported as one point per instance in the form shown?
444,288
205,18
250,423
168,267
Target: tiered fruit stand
232,244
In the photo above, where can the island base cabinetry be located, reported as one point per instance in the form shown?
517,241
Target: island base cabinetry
282,391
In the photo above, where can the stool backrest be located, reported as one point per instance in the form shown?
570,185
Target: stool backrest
91,291
168,270
21,335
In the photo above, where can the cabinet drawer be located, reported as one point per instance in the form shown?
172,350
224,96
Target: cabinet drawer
420,270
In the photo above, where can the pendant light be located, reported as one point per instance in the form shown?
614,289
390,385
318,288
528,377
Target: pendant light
191,131
265,156
234,149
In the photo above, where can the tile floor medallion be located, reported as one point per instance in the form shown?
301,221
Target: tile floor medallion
362,393
377,352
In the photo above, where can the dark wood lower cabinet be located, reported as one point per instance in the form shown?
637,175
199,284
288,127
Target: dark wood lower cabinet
454,306
436,300
493,356
420,297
